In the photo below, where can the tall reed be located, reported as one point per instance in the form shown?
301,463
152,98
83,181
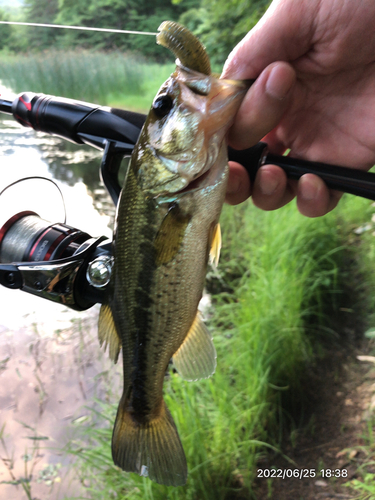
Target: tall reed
103,78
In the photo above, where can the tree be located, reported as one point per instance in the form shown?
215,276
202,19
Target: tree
5,31
41,11
136,15
221,24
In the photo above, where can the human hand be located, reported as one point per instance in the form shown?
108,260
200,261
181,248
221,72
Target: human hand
314,61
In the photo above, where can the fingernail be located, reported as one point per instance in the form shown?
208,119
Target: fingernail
309,187
277,85
267,182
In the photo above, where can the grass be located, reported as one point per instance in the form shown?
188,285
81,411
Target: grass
280,273
30,459
363,486
103,78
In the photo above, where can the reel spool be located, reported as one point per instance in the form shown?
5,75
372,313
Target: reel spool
26,237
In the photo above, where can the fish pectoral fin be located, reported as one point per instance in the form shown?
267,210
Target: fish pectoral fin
107,333
215,246
152,448
170,235
196,357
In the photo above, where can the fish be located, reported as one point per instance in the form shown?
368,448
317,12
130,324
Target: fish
167,230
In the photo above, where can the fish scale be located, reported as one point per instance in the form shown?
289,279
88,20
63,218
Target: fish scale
166,231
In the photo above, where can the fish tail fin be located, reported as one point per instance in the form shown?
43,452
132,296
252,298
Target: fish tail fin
150,449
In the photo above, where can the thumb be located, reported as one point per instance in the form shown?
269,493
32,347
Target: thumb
263,106
283,34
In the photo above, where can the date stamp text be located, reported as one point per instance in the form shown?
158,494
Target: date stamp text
301,473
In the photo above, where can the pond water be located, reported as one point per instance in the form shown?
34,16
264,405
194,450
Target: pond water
50,361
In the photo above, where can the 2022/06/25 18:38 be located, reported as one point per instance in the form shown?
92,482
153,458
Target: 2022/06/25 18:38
301,473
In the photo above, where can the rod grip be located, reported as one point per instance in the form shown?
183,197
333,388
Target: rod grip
345,179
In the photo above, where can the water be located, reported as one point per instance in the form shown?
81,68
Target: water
50,362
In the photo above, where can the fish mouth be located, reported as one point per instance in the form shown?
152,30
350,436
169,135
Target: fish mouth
182,161
196,184
178,162
205,181
173,160
207,177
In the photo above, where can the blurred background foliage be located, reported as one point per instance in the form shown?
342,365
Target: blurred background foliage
220,24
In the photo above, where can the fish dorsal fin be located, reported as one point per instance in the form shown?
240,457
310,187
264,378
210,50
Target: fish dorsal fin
196,357
107,332
215,246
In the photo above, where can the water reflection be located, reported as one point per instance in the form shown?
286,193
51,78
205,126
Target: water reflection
24,152
50,363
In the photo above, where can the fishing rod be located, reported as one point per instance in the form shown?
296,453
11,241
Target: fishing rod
118,130
62,263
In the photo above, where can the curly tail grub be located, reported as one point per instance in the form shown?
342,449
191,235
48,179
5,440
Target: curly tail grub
185,46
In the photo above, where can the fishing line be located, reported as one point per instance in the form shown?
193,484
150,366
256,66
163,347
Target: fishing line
32,177
84,28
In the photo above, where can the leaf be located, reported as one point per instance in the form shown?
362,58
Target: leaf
37,438
366,359
370,334
80,420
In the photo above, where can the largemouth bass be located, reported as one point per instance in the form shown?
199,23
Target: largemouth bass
166,232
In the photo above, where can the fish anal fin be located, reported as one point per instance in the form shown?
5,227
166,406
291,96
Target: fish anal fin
151,448
196,357
215,246
170,235
107,333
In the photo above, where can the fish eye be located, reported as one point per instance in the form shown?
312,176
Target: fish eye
162,105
